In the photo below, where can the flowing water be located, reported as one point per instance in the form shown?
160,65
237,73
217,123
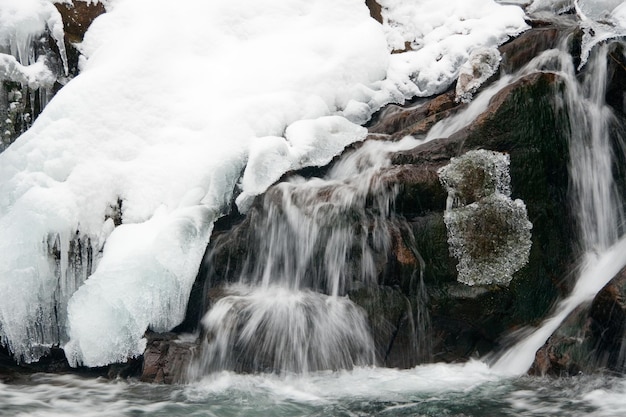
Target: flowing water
470,390
316,240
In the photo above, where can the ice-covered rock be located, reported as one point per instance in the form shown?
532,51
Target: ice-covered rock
488,232
28,66
438,37
481,65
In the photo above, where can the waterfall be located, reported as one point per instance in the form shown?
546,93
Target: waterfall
595,200
289,310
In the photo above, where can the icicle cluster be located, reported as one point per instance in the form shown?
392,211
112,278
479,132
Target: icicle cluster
28,66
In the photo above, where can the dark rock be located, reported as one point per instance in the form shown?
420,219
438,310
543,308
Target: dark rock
166,358
519,51
396,122
77,17
375,10
591,338
399,338
522,121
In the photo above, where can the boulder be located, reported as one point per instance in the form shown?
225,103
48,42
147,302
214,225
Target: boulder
167,358
591,338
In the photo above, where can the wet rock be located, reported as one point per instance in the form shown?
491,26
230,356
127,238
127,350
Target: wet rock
166,358
395,122
522,121
400,337
519,51
77,17
591,338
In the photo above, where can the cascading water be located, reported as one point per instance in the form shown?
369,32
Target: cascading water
595,197
289,310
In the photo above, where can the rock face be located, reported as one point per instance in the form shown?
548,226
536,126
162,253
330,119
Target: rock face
417,310
591,338
166,358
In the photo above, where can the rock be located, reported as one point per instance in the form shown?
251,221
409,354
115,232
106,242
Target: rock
462,325
395,122
591,338
519,51
77,17
166,358
400,337
375,10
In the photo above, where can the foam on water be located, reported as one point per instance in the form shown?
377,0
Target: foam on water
461,390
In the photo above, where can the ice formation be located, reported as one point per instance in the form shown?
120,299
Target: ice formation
601,20
439,37
136,156
481,65
488,232
27,65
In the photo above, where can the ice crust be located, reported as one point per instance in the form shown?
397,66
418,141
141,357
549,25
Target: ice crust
488,232
440,37
601,20
179,106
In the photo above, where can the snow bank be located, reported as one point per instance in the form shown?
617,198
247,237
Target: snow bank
440,36
174,102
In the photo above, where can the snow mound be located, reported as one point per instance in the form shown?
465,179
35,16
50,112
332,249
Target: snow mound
440,36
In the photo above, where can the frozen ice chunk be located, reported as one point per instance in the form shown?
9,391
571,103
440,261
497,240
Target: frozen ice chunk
481,65
488,232
307,143
490,238
143,281
475,175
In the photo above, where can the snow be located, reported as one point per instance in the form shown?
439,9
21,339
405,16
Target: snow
23,20
178,107
441,36
35,75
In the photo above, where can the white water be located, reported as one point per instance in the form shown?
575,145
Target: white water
468,390
314,240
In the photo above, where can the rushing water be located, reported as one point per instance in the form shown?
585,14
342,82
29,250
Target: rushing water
431,390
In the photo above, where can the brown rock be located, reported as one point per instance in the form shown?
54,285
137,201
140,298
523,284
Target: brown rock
78,16
166,358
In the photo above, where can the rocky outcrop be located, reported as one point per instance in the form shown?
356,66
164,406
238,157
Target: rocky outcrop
591,338
166,358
